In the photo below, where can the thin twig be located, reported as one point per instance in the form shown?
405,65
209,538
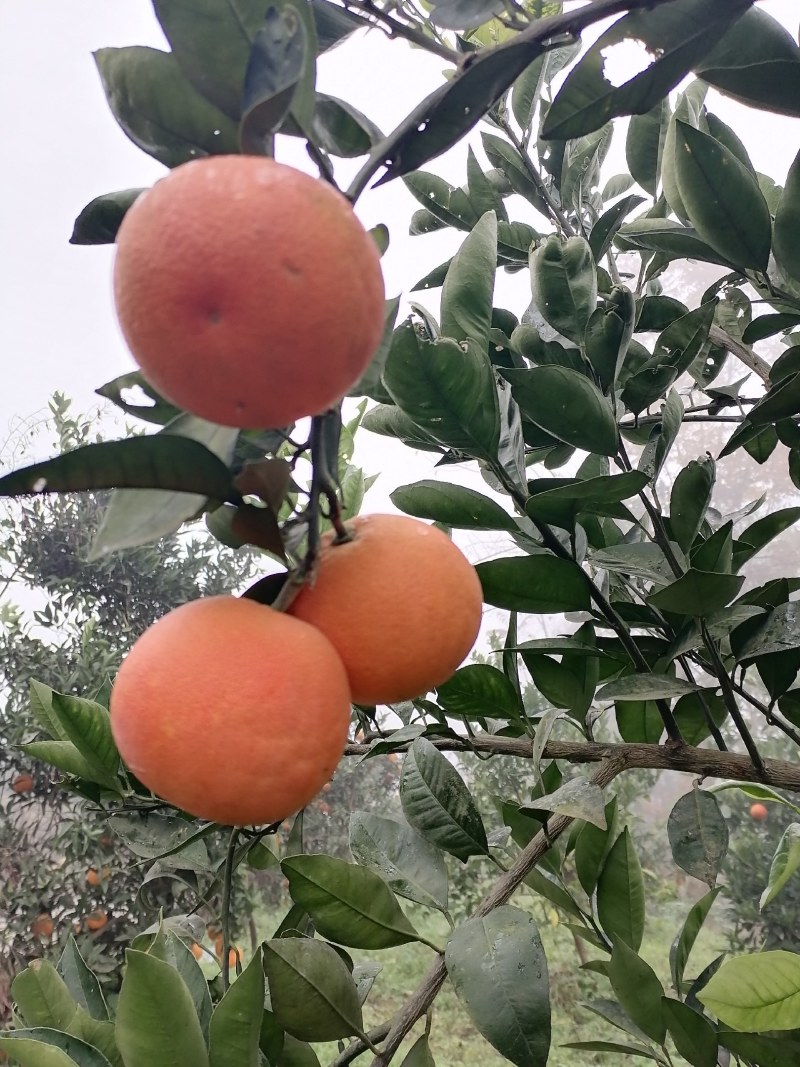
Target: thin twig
227,892
558,215
393,28
729,696
768,713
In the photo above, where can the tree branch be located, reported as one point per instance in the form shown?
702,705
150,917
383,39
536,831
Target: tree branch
744,353
703,762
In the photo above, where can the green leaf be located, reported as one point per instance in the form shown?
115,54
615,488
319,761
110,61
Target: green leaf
694,1036
689,500
448,391
785,863
620,893
677,36
691,714
452,505
592,847
499,971
624,1049
166,946
756,62
152,409
561,505
280,74
235,1027
134,517
313,995
158,109
697,593
759,991
642,559
419,1055
639,721
606,227
644,146
157,462
156,1017
730,214
99,221
608,336
42,1047
645,687
65,757
479,691
787,223
350,905
638,989
566,404
88,727
510,162
564,284
698,835
765,1051
538,584
682,945
779,631
81,982
577,798
42,997
410,865
437,803
779,402
469,285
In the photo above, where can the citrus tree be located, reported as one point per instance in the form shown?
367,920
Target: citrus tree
572,410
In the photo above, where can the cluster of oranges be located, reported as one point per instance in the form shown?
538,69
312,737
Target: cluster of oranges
250,295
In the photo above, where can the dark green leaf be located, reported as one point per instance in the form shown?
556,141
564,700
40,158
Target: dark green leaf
312,992
159,110
692,713
350,905
690,497
645,687
155,410
697,593
452,505
592,847
42,1047
564,284
437,803
100,220
620,893
694,1036
540,584
644,145
605,229
235,1027
81,982
787,221
698,835
499,971
469,285
419,1055
608,336
566,404
684,942
638,989
479,691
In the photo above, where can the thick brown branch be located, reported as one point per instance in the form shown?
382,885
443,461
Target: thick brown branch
744,353
703,762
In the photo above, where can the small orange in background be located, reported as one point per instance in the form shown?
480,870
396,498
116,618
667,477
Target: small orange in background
227,682
42,925
23,783
95,877
759,812
399,602
234,956
248,292
197,951
97,920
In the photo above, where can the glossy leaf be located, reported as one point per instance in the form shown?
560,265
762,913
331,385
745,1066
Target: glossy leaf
469,285
567,405
620,893
437,803
694,1036
235,1027
410,865
645,687
678,34
698,835
731,215
785,863
479,691
156,1016
787,221
697,593
447,391
564,284
541,584
690,497
758,991
349,904
499,971
608,335
592,846
644,146
452,505
637,989
158,109
312,992
682,945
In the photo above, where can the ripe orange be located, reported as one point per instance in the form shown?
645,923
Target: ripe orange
23,783
42,925
96,920
197,951
232,711
758,812
399,603
95,877
248,292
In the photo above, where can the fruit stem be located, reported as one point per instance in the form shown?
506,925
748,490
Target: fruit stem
227,893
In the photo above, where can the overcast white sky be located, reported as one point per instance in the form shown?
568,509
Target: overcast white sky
62,148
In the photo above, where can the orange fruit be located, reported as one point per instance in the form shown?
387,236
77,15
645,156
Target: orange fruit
399,602
758,812
96,920
197,951
248,292
231,711
234,954
23,783
42,925
95,877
